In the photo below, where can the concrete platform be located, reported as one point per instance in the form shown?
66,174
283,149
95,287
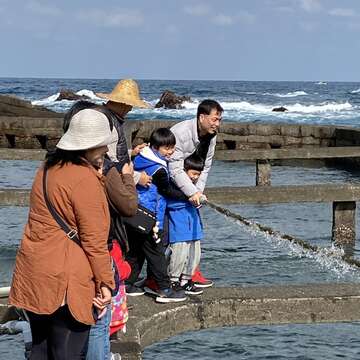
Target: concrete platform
299,153
241,195
150,322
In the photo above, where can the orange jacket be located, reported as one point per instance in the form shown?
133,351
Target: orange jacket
50,266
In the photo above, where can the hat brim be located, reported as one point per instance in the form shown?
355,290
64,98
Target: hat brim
67,142
132,102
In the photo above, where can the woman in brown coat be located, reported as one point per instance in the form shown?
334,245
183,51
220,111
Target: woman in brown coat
56,280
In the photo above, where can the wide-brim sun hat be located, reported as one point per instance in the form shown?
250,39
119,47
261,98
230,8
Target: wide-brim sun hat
88,129
126,92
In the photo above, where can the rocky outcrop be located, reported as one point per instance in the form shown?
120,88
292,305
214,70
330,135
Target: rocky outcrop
280,109
169,100
66,94
13,106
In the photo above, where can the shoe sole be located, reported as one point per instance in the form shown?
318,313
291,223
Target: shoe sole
193,292
165,300
135,294
198,285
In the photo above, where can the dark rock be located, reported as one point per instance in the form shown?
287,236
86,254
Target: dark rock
169,100
280,109
70,95
13,106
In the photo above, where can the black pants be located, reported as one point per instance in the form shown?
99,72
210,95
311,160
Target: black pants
144,247
58,336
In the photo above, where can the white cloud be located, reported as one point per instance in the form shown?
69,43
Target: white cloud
344,12
228,20
245,17
223,20
197,10
310,5
113,18
219,19
42,8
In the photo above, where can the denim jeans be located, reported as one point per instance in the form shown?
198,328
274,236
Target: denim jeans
99,338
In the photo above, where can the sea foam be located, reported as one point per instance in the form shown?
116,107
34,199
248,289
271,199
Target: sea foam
319,108
244,106
289,94
52,99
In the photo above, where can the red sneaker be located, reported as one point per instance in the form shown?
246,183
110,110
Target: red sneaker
199,280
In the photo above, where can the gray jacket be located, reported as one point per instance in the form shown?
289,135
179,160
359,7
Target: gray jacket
187,140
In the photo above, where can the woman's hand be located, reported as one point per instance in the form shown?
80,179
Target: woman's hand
102,299
128,169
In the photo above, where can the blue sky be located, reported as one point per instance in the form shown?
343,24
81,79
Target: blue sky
182,39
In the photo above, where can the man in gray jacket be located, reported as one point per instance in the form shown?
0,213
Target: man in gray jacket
196,135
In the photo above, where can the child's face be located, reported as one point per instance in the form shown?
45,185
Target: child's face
166,151
193,175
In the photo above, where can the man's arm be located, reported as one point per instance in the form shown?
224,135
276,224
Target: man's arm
177,173
200,185
165,187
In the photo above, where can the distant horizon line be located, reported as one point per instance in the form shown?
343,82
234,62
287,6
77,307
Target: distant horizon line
138,79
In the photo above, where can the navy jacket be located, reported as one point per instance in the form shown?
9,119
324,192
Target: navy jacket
184,221
151,162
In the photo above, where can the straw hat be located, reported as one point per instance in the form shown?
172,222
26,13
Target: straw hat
126,92
88,129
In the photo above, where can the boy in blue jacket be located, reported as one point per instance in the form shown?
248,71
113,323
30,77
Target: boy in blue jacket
185,233
154,161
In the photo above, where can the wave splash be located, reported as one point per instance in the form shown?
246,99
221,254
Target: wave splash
52,99
233,109
289,94
329,258
262,108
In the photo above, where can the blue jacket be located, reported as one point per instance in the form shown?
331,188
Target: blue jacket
151,161
184,221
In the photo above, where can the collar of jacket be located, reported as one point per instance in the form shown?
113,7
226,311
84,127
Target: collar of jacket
153,155
119,118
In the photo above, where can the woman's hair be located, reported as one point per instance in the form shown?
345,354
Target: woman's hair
194,162
162,137
79,105
62,157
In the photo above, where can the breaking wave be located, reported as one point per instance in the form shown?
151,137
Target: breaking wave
289,94
263,108
52,99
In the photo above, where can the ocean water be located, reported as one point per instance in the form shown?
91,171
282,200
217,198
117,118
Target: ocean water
254,259
243,101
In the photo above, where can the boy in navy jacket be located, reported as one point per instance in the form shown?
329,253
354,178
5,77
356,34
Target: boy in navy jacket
154,161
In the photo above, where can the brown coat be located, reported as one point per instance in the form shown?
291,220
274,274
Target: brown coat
121,192
48,264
